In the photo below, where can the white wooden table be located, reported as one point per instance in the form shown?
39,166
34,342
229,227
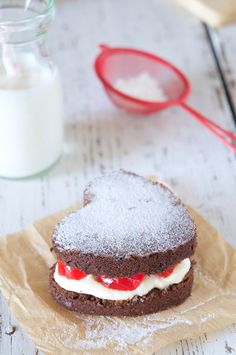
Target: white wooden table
170,144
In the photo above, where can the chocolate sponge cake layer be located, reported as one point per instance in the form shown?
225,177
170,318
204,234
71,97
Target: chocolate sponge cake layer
127,267
128,225
156,300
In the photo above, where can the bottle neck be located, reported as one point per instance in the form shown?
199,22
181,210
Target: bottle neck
36,46
23,27
17,58
20,25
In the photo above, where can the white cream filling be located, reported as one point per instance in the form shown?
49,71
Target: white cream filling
90,286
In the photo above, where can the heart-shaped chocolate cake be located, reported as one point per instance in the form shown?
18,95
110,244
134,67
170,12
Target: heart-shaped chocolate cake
126,252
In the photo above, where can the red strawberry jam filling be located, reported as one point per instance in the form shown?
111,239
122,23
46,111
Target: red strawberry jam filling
115,283
121,283
69,272
167,272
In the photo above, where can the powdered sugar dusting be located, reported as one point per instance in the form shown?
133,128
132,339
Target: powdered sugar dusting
120,334
128,215
143,86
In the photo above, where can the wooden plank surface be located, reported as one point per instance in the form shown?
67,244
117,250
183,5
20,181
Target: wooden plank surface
170,144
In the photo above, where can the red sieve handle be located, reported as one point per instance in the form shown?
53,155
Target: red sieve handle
104,47
227,137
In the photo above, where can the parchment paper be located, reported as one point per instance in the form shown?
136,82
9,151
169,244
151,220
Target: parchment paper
25,259
216,13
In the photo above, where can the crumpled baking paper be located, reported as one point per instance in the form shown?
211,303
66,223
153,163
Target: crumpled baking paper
25,259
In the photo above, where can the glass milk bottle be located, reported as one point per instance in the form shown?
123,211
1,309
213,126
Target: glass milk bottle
31,106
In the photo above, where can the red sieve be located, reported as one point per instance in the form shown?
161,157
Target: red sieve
123,63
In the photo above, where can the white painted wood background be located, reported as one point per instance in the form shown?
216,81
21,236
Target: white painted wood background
170,145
